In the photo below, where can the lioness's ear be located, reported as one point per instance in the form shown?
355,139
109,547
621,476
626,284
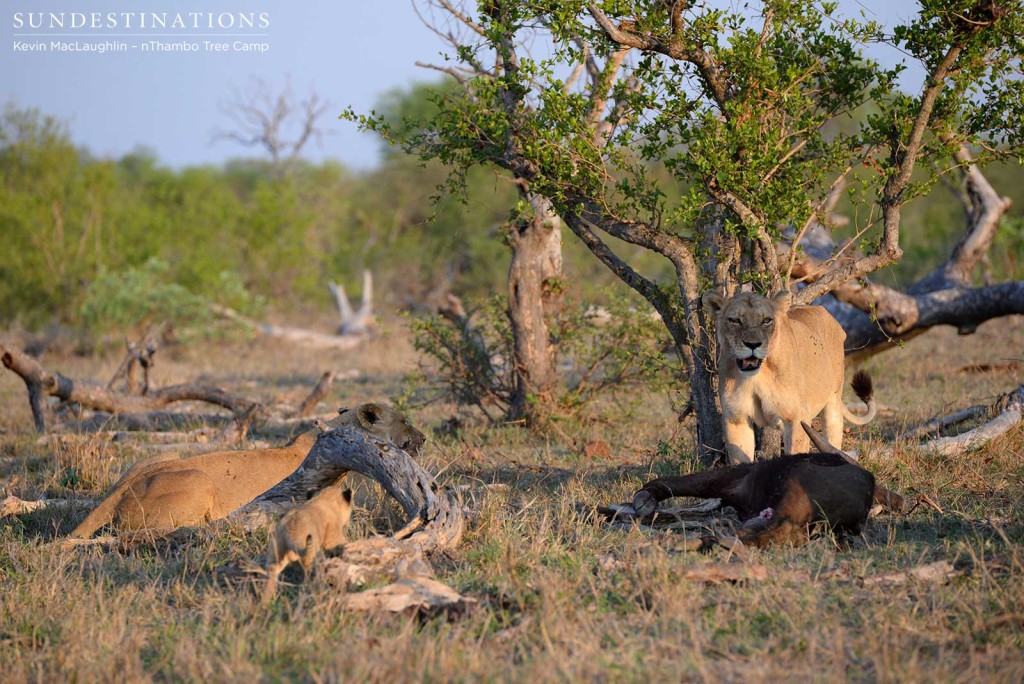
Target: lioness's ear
347,495
782,301
369,414
713,302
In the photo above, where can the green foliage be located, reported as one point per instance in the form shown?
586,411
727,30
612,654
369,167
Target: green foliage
237,235
1008,249
137,297
614,347
747,109
471,358
52,201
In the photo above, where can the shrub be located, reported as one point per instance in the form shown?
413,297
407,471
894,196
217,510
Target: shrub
470,360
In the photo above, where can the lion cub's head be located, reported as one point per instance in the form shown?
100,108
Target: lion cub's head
746,326
383,421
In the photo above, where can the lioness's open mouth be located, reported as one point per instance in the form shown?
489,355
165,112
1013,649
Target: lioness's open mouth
749,364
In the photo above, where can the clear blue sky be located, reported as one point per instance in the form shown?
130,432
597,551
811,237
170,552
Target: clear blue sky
347,52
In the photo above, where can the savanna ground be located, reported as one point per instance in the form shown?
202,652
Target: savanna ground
558,596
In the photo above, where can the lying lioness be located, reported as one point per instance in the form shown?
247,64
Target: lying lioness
317,525
195,490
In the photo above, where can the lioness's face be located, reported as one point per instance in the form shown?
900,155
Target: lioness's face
745,326
383,421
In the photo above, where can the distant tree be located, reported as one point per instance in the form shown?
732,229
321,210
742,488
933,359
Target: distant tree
734,104
274,122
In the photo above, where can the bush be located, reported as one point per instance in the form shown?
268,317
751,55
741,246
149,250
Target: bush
138,297
470,361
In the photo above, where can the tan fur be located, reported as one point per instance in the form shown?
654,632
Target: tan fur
799,374
195,490
317,525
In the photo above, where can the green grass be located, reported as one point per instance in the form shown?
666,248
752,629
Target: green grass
558,596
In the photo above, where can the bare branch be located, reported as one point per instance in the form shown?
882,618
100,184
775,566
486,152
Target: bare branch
40,382
601,87
986,209
711,71
261,120
464,18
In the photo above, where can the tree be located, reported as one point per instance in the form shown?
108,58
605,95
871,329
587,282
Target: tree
276,123
737,107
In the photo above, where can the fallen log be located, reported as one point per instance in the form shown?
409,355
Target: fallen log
940,423
417,594
877,317
336,452
41,382
1009,410
435,514
299,336
318,393
12,505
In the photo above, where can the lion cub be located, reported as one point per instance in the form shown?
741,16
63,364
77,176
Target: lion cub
318,524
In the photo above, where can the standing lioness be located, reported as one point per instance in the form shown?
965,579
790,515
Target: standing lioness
779,363
197,489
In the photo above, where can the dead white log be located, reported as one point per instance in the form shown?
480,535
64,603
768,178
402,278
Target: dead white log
1010,413
12,505
299,336
958,444
311,338
354,322
409,594
939,423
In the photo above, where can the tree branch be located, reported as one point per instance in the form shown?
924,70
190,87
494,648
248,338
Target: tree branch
904,157
40,381
986,210
712,73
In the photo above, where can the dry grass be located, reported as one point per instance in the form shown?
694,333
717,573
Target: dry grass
559,596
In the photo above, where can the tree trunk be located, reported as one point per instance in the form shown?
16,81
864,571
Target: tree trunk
698,352
534,294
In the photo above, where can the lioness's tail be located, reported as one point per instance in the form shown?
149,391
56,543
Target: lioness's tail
863,388
100,516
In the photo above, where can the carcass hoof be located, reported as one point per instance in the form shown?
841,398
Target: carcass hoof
644,504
